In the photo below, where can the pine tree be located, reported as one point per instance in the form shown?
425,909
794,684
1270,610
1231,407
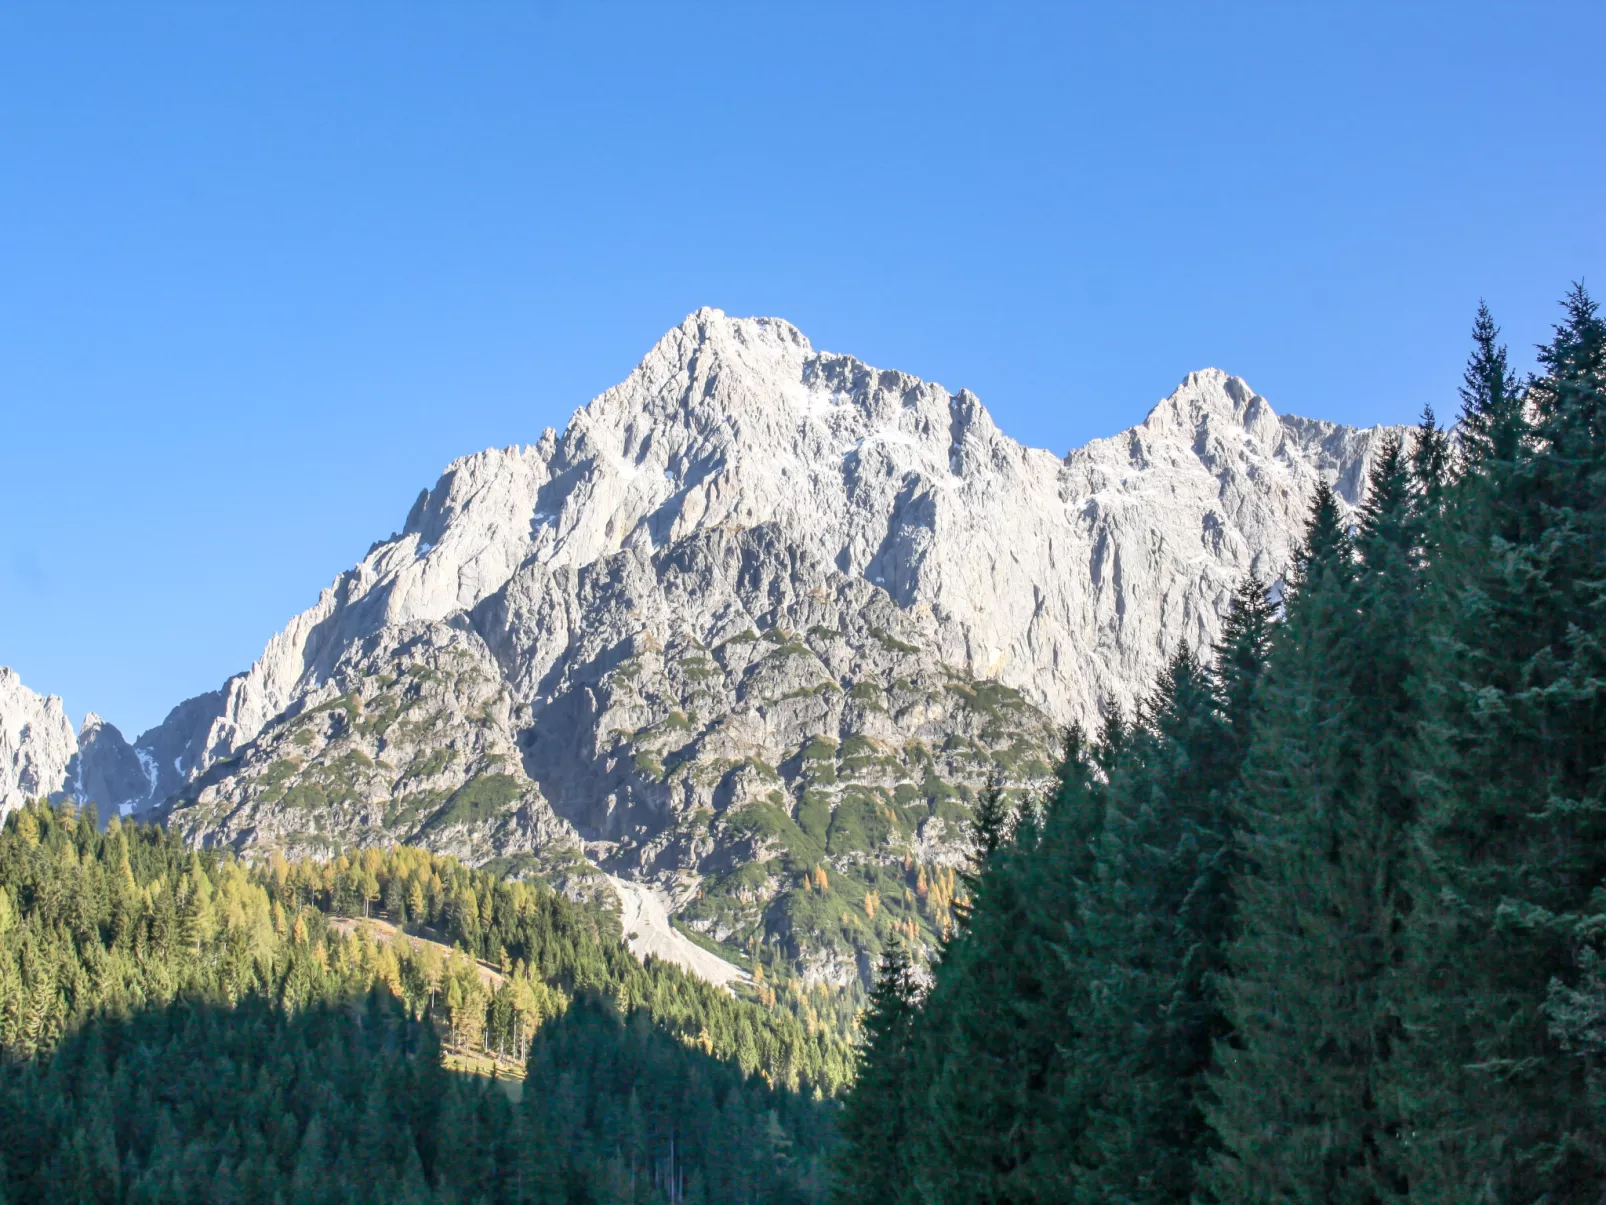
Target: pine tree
1155,924
1300,1111
1493,428
1515,763
873,1165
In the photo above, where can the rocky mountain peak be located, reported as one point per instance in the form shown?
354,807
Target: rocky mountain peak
1212,400
36,743
752,629
736,422
108,773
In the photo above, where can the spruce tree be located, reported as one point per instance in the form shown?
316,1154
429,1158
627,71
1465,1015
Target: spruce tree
994,1120
1432,455
1321,892
874,1164
1494,429
987,1036
1240,662
1514,761
993,815
1155,923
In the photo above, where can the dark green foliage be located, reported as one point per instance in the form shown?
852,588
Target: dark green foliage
877,1122
992,820
1156,919
630,1105
1240,662
985,1110
1493,430
348,1102
177,1026
1301,1109
1326,923
198,1102
1503,1078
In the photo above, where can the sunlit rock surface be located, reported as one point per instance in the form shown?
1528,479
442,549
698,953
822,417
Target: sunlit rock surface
754,630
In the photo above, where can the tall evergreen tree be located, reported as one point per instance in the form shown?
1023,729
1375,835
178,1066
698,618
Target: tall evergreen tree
993,815
1155,924
1301,1113
1514,846
874,1165
1241,654
990,1116
1494,428
988,1039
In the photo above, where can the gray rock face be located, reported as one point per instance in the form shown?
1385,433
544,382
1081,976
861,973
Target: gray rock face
41,758
173,751
108,773
1065,578
410,738
36,743
753,630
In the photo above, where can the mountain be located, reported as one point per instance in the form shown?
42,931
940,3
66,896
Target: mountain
36,742
752,632
41,757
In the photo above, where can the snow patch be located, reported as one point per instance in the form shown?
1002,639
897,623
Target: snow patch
147,763
887,435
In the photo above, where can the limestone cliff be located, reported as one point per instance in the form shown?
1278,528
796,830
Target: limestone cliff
753,629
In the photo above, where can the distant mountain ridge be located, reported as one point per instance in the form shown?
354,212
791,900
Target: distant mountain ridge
754,629
41,756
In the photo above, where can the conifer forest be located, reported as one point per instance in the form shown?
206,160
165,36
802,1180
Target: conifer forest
1323,922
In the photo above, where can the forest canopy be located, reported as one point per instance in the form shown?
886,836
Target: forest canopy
179,1026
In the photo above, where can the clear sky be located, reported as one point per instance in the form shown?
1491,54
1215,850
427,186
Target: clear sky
265,270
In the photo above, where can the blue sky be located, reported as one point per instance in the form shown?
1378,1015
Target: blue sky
264,271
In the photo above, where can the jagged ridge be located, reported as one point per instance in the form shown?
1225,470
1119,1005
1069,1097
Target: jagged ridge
729,632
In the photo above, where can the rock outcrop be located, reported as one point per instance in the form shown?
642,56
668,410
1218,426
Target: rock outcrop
110,774
36,743
41,758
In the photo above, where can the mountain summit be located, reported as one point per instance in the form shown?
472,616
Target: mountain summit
752,630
